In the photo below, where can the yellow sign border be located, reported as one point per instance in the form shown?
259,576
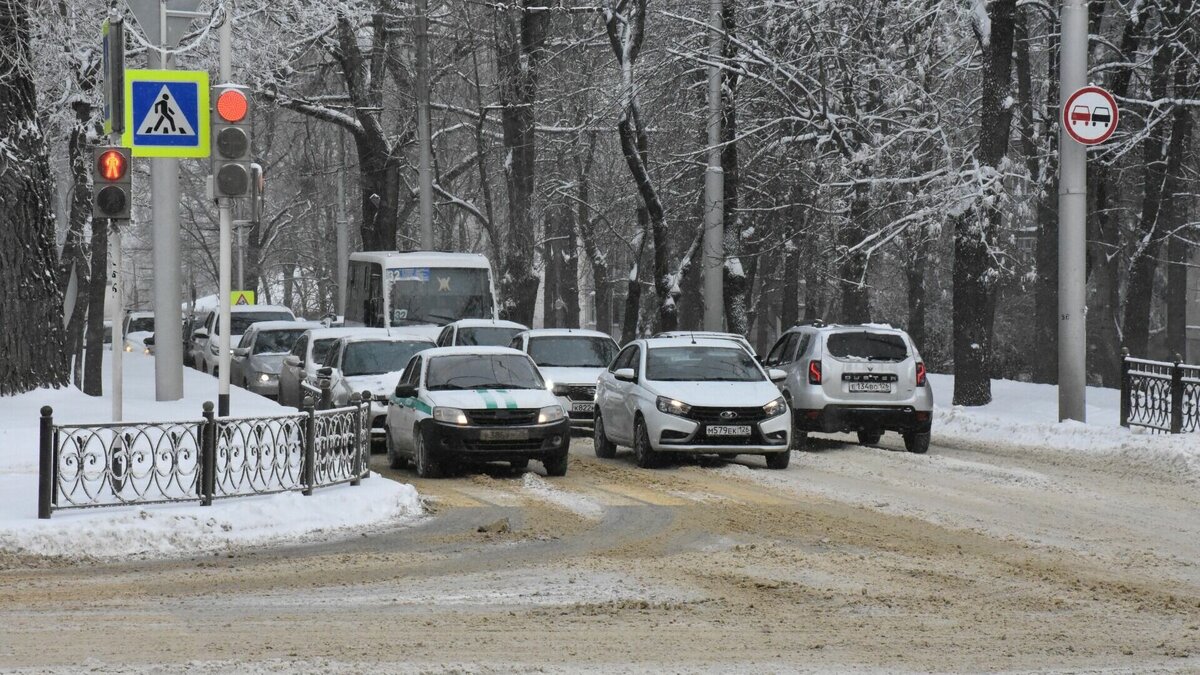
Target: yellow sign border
203,126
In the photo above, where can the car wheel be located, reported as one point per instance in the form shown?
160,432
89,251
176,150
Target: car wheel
605,449
917,443
645,455
395,461
869,437
556,465
426,466
519,464
779,460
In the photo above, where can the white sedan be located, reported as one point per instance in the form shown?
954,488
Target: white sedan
699,396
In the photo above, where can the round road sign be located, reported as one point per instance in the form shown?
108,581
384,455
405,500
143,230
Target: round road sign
1090,115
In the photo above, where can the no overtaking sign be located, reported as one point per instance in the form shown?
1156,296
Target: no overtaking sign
1090,115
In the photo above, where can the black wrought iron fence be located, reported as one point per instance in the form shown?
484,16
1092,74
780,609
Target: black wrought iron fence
120,464
1160,396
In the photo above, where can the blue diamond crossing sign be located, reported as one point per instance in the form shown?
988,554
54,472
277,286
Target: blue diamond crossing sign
166,113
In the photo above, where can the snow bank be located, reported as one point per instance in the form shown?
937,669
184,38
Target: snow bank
168,530
1024,416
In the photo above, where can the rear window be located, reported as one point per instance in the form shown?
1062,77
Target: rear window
866,346
487,337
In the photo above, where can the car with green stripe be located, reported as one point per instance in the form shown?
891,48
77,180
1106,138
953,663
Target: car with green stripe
477,404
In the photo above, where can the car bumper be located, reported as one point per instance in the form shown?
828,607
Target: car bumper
479,442
581,413
669,433
378,417
269,389
835,418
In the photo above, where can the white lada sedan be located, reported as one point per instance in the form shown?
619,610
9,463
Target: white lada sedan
697,396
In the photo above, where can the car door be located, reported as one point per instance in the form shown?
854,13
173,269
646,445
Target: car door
289,376
608,393
443,339
237,364
405,415
622,401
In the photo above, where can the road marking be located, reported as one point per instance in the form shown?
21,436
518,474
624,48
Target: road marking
644,495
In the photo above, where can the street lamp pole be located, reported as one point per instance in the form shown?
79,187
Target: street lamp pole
1072,226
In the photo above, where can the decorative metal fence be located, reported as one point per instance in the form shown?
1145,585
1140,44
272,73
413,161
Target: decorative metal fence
1160,396
92,465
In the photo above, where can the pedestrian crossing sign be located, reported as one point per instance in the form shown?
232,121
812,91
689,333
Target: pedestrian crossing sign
242,298
166,113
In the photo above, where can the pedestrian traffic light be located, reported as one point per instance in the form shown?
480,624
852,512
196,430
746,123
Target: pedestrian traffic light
111,184
231,141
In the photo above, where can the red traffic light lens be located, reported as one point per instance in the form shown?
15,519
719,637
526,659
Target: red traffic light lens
112,165
232,105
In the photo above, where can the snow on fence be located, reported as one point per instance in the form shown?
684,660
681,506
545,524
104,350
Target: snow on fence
1160,396
121,464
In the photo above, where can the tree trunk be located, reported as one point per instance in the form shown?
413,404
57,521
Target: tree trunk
31,329
914,275
976,275
856,301
789,308
93,365
630,328
1175,219
551,314
74,254
737,279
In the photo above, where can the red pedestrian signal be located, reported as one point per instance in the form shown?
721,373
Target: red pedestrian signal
232,105
112,165
231,141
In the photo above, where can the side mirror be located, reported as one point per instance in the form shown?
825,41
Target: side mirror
200,334
241,351
777,375
405,391
625,374
326,371
293,361
149,341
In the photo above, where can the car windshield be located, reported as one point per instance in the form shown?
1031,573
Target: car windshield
572,351
486,336
144,324
486,371
320,349
373,358
240,321
701,364
433,295
276,341
867,346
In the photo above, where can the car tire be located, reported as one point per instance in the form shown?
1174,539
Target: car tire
917,442
779,460
643,452
395,461
556,465
869,437
605,449
519,464
427,467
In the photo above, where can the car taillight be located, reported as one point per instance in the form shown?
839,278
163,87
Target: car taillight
920,374
814,372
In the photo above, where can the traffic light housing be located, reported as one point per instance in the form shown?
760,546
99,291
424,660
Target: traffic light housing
112,193
231,141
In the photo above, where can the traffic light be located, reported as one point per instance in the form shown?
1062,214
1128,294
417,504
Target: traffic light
111,184
231,141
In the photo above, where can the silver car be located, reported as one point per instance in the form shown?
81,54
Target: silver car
308,353
257,359
866,379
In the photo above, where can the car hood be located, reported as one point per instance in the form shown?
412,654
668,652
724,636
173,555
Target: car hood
380,385
493,398
717,394
430,332
586,376
138,338
267,363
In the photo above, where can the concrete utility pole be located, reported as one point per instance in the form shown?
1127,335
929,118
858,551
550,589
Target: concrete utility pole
424,134
1072,227
343,236
164,212
117,297
713,259
226,239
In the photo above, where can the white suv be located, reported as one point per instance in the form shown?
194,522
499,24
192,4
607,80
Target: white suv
699,396
867,379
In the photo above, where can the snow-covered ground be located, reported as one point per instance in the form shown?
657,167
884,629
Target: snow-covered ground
1025,416
165,530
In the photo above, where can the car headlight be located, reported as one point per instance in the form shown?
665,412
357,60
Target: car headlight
672,406
551,413
213,349
450,415
265,377
775,408
128,346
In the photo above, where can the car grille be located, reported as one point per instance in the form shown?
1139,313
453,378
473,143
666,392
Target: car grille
579,415
503,417
501,446
581,393
713,415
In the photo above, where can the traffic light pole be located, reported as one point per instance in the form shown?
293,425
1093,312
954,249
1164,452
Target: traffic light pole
118,320
164,212
1072,227
225,262
424,136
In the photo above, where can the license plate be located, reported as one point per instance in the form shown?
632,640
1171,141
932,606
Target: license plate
724,430
871,387
583,407
504,434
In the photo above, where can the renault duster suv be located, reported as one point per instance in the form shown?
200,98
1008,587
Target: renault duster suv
867,379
